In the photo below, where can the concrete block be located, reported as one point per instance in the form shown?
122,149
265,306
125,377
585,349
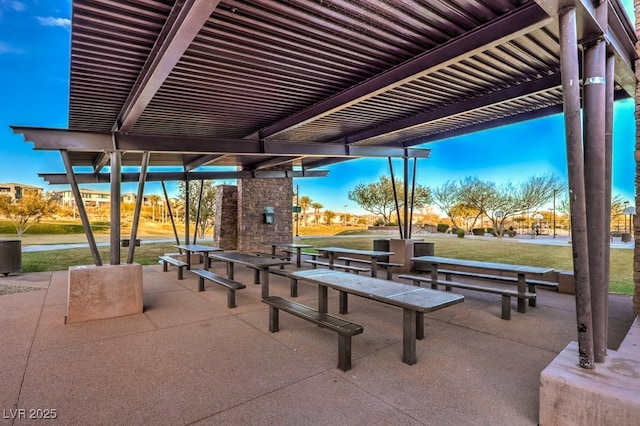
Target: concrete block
402,253
99,292
566,283
606,395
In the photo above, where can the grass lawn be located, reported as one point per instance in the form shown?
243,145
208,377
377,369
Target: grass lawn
482,249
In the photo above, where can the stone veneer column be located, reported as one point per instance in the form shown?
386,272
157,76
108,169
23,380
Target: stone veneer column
253,196
225,233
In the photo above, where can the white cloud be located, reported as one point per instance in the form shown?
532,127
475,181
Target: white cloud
50,21
6,48
18,6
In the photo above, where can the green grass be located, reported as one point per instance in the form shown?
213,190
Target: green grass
506,251
489,250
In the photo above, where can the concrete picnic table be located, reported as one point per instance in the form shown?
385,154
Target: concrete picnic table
257,262
372,254
296,246
197,248
414,301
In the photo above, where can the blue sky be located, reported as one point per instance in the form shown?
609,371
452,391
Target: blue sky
34,79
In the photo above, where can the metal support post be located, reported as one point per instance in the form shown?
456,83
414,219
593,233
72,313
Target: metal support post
571,98
136,215
114,234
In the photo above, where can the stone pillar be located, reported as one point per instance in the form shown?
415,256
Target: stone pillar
253,196
225,233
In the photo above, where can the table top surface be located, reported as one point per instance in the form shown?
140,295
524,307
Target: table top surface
197,247
536,270
372,253
291,245
398,294
248,259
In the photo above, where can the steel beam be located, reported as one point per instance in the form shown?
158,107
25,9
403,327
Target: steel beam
575,165
182,26
497,32
114,228
594,157
139,199
86,224
62,179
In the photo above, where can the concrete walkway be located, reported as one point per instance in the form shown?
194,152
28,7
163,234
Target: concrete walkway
188,359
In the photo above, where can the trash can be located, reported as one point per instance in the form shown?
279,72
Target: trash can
423,249
381,245
10,256
626,237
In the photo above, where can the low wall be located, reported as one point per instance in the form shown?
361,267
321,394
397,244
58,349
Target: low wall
609,394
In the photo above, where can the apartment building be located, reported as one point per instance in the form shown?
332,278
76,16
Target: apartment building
16,190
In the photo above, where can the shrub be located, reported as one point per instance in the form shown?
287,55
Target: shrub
442,227
460,233
511,233
477,231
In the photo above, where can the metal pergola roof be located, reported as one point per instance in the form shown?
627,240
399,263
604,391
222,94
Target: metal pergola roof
261,83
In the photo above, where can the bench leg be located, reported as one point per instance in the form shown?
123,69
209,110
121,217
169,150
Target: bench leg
532,289
165,266
200,284
408,336
294,287
344,352
273,319
344,302
180,273
506,307
389,273
419,325
231,298
256,276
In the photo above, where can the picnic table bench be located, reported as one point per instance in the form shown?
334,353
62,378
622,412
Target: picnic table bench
531,284
414,301
316,263
506,294
344,328
523,273
166,260
388,265
230,285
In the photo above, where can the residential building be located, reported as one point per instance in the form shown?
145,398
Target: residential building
17,190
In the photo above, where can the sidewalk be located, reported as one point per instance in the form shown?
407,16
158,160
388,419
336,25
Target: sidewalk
188,359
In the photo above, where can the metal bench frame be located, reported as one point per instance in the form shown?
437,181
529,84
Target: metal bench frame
230,285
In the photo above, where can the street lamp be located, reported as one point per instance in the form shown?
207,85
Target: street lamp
345,215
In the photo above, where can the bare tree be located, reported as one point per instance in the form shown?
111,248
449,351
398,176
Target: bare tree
447,197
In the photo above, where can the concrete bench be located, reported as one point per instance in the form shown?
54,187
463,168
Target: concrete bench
506,294
388,265
166,260
294,280
230,285
355,269
532,284
345,329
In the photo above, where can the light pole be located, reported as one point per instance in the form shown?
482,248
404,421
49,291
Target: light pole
626,203
297,209
345,215
555,191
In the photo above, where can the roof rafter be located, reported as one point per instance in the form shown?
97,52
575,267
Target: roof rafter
183,25
496,32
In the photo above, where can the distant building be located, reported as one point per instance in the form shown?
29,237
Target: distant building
90,197
17,190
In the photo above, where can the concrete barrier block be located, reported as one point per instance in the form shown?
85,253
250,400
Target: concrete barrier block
606,395
108,291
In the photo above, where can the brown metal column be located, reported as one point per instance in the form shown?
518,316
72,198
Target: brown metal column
116,179
571,99
594,157
187,195
405,194
139,199
82,212
608,179
173,221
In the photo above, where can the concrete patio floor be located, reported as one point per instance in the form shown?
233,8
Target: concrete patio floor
188,359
